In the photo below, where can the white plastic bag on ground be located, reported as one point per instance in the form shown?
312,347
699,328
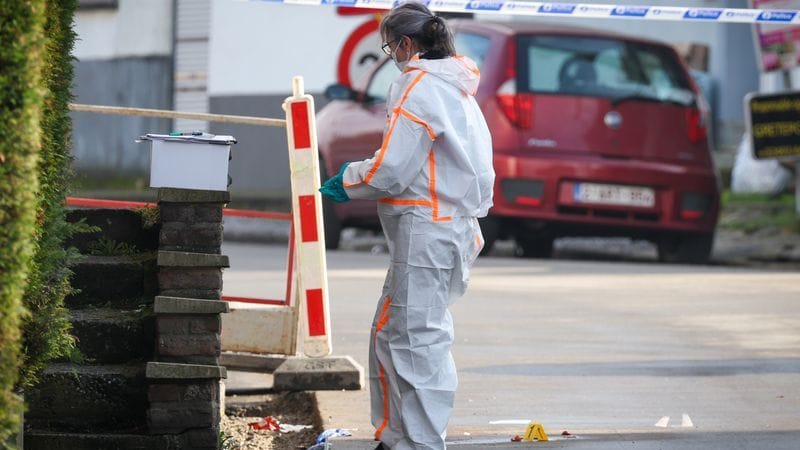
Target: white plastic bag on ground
763,176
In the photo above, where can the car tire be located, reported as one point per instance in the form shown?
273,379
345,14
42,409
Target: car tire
686,249
490,229
534,247
332,226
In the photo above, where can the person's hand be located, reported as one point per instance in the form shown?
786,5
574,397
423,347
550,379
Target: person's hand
333,187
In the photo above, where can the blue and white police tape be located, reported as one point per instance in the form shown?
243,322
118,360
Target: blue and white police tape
547,9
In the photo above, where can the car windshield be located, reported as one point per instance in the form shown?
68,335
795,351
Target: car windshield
577,65
379,84
471,45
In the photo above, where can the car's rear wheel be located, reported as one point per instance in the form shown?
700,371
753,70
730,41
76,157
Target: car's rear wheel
534,246
685,249
490,229
331,224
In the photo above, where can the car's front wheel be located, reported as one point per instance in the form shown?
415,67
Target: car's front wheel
685,249
534,246
490,230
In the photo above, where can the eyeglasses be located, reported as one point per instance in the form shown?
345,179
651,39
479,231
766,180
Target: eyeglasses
387,47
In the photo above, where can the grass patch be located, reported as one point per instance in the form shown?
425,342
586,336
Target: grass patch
109,247
151,216
756,212
103,182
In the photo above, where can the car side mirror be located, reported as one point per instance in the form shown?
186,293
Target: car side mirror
340,92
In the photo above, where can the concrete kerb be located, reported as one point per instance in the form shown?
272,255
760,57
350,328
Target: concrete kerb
334,373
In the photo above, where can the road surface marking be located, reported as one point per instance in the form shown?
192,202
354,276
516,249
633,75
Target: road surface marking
663,423
686,421
509,422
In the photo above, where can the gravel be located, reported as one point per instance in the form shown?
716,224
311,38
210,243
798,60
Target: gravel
295,408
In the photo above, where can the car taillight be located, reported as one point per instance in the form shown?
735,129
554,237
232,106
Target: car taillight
523,192
518,108
694,206
696,125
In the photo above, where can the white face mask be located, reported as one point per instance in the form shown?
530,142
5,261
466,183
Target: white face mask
401,65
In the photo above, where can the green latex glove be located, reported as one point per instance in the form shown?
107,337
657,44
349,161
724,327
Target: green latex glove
333,187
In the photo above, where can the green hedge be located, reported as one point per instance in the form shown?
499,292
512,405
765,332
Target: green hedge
46,329
21,25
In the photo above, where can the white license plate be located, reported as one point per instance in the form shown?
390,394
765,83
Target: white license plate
610,194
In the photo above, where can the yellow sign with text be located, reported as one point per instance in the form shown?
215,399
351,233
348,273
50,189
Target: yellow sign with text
774,124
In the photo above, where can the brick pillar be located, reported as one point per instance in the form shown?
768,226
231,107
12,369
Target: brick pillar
184,390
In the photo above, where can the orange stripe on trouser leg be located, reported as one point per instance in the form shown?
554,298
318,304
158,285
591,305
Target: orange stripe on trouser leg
382,320
385,388
383,317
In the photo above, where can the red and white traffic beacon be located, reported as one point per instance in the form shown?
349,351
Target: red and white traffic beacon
312,276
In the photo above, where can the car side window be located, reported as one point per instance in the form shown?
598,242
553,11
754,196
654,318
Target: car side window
473,46
378,86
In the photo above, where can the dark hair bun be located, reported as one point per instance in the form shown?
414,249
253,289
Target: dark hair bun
434,29
429,32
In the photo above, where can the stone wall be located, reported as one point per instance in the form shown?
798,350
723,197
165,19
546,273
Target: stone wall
184,391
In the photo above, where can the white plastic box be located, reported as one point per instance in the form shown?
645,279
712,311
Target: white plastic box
189,163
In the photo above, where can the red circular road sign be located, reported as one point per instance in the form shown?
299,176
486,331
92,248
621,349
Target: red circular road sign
360,51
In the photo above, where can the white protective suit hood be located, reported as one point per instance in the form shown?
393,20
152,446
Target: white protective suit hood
458,71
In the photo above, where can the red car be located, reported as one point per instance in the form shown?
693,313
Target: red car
594,134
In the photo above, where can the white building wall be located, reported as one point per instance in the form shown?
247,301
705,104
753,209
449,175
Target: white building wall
192,28
124,58
134,28
257,47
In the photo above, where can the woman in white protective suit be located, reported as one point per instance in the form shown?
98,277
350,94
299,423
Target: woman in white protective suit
432,179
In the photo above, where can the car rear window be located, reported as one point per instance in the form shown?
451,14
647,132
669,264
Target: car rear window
577,65
473,46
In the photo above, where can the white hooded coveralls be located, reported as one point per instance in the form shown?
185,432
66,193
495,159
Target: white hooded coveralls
432,178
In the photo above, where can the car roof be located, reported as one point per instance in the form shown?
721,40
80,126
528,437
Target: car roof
531,27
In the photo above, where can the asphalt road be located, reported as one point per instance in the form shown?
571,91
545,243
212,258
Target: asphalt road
620,354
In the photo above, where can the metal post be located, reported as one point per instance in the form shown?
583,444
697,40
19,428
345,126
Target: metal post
797,188
298,89
794,84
